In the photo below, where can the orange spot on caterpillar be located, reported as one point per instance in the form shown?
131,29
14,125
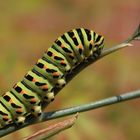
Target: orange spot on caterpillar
45,67
33,100
22,92
5,118
55,74
62,46
34,80
44,87
19,110
80,46
53,55
62,62
91,42
10,101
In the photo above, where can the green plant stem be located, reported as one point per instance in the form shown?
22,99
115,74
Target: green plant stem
90,106
81,108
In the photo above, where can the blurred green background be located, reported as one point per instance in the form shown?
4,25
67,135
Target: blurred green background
27,28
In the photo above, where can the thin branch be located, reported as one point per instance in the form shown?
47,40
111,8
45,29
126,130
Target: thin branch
115,48
81,108
90,106
135,36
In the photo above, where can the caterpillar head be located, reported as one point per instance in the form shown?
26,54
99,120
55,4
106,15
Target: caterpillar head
99,42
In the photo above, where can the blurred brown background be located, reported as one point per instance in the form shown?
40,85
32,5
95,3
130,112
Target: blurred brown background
27,28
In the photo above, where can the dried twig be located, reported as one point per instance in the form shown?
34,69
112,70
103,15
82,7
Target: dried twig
53,129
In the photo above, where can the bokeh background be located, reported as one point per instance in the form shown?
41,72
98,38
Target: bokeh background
27,28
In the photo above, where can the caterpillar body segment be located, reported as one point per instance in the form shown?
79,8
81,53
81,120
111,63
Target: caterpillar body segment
51,72
88,41
48,70
31,99
62,46
77,49
37,86
15,106
58,59
5,116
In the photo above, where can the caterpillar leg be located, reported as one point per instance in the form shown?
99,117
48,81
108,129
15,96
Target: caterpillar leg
49,97
61,83
20,120
36,111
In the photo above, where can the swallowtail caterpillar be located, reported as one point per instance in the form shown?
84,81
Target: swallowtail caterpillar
37,86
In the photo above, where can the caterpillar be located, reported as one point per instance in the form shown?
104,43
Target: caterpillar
37,86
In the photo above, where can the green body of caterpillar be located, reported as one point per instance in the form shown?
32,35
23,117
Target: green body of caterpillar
37,86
